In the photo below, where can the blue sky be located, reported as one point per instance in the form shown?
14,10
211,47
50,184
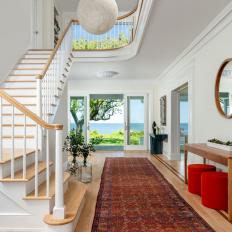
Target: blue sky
184,112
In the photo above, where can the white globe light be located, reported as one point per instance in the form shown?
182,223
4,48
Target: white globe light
97,16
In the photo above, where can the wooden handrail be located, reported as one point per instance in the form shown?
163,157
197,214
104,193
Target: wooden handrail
41,76
29,113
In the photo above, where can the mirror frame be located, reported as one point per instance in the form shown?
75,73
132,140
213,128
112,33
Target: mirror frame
217,86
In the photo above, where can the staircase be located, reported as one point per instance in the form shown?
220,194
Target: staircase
36,194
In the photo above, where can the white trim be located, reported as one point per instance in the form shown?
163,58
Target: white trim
123,53
210,32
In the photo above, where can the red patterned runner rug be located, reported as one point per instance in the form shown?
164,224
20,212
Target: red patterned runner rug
135,197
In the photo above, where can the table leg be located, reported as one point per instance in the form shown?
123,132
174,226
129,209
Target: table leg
204,160
185,166
230,189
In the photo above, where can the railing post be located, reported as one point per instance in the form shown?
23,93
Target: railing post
39,106
1,129
58,210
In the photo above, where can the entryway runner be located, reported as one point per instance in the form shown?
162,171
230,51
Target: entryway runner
135,197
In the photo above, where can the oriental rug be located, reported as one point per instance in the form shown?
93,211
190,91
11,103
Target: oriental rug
135,197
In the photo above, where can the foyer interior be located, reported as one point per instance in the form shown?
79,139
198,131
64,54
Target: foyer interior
163,61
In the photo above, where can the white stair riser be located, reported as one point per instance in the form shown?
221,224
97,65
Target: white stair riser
22,78
18,130
21,91
19,85
17,120
30,185
37,56
41,66
26,100
39,52
5,169
25,61
8,108
27,71
18,143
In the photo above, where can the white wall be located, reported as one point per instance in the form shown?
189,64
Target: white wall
15,35
199,69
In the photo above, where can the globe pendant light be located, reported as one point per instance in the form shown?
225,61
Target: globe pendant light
97,16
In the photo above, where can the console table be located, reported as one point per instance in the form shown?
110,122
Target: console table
156,143
216,155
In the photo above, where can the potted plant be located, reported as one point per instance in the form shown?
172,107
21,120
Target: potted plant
72,143
216,143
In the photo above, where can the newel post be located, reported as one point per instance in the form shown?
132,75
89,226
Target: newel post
58,210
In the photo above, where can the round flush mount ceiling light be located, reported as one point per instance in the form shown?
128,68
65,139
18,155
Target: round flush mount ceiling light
107,74
97,16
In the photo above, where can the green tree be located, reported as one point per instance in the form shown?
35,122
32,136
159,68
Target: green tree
77,105
104,109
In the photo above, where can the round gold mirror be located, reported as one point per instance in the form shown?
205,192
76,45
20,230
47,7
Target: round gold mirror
223,89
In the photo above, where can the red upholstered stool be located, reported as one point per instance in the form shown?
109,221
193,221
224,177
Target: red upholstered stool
214,190
194,176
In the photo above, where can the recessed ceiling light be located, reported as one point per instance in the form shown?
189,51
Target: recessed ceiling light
107,74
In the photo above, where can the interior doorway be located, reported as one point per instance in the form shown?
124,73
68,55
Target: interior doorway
183,118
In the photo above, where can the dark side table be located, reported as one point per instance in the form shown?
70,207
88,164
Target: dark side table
156,143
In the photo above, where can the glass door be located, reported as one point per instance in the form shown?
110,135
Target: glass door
78,115
183,119
135,122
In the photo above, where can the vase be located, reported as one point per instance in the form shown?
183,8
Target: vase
85,172
73,168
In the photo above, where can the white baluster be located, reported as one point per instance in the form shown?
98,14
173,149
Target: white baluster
58,210
24,148
36,160
1,147
13,145
47,164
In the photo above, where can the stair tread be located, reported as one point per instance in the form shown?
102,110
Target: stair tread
18,137
18,154
73,200
25,58
34,49
24,81
42,189
25,104
31,69
23,96
19,125
30,173
23,75
15,88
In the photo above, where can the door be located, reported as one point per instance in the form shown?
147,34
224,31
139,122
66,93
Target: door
78,116
135,122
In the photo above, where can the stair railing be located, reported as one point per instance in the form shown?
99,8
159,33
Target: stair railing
49,83
17,109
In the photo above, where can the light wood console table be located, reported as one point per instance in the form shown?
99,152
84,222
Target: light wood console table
216,155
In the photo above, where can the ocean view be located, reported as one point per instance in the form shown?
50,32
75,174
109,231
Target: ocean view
109,128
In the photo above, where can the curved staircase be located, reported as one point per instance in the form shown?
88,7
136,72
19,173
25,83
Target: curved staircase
35,192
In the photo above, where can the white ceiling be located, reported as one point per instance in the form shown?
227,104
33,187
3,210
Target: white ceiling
71,5
172,26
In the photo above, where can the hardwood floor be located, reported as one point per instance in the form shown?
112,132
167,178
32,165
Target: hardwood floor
216,220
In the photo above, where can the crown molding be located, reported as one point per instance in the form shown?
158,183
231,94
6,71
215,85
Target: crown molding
211,31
